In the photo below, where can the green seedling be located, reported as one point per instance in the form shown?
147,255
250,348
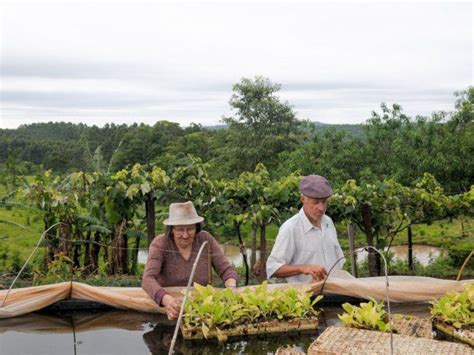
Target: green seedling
212,309
456,308
369,315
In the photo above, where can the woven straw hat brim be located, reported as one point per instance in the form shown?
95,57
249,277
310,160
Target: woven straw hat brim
182,221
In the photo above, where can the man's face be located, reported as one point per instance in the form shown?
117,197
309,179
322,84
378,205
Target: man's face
314,207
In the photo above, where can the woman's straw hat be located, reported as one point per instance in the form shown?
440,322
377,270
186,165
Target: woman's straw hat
182,213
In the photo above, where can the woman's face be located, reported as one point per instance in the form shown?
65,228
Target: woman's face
184,235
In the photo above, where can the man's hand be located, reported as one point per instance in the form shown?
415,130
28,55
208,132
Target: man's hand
172,306
317,272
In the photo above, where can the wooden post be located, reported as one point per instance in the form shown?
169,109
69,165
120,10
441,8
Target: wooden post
410,249
350,234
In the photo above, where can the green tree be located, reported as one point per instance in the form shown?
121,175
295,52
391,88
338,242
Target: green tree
143,144
262,127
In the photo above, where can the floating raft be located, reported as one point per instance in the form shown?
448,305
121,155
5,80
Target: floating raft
268,327
412,326
288,350
343,340
466,335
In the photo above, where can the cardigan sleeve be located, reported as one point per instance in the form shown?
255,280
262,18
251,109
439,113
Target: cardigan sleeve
153,269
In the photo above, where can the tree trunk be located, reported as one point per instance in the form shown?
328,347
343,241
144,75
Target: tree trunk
87,254
243,251
253,257
410,249
76,262
49,238
150,216
367,221
95,252
77,246
65,242
263,254
133,270
106,257
119,255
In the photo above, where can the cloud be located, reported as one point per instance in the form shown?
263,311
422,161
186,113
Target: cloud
178,61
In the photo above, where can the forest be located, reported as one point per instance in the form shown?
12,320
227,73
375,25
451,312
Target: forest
263,130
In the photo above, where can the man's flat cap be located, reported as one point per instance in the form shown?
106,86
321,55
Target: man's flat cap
315,186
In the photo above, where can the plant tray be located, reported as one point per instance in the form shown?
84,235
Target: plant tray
343,340
412,326
466,335
288,350
267,327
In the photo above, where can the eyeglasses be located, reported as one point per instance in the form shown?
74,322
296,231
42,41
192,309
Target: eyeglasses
182,230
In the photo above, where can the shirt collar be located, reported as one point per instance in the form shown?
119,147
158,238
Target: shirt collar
307,225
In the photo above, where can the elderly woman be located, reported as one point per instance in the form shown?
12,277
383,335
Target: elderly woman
172,255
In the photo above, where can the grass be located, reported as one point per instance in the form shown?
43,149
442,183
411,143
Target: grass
15,239
441,234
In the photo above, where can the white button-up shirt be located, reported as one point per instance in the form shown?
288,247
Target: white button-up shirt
300,242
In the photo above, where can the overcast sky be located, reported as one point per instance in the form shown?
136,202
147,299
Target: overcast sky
105,62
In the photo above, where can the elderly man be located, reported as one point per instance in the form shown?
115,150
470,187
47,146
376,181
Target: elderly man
306,246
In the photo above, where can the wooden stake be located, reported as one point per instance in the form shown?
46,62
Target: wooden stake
350,233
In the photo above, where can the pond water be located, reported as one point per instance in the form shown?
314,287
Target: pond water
423,253
121,332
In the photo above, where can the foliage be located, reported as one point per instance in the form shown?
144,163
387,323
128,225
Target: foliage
402,170
262,127
191,181
456,308
458,253
209,308
59,270
370,315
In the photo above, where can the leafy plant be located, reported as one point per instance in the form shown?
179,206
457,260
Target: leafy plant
59,270
211,309
369,315
456,308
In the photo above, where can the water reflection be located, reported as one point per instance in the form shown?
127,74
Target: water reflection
159,339
121,332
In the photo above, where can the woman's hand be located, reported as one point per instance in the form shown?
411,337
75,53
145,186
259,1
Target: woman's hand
230,283
172,306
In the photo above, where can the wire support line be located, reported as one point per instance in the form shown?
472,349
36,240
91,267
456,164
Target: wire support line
387,295
132,248
54,237
181,311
